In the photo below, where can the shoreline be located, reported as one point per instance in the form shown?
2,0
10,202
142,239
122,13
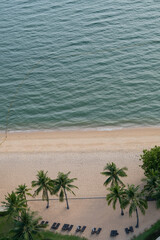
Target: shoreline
80,141
81,129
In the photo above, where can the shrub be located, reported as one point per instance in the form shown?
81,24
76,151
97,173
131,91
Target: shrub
151,160
151,234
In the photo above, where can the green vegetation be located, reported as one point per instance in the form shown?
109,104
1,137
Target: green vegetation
117,193
135,200
151,234
44,184
151,166
19,222
56,236
63,184
156,196
151,160
14,204
23,191
113,173
7,224
27,226
133,197
151,181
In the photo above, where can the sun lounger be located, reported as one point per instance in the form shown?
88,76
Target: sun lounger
83,228
70,228
57,226
93,230
98,231
131,229
53,225
65,227
114,233
78,229
126,230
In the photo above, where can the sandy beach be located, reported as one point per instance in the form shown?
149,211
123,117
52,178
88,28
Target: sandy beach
84,153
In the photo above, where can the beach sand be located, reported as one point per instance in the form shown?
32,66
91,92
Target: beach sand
84,153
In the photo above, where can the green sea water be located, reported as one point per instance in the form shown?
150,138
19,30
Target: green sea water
79,64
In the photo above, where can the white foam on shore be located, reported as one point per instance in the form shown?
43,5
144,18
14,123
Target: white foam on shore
66,129
85,129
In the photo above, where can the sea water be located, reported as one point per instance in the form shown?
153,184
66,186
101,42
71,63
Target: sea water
79,64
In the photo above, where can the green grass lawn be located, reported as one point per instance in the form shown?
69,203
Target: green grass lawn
151,234
6,224
55,236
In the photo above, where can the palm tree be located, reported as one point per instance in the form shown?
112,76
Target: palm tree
27,226
117,193
22,191
113,173
152,181
14,204
135,200
63,184
44,184
156,195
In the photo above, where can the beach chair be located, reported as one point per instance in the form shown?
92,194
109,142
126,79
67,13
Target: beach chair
65,227
98,231
53,225
114,233
58,224
126,230
46,222
42,222
83,228
78,229
70,228
131,229
93,230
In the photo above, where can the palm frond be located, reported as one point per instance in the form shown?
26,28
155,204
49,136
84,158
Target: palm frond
62,183
106,173
108,180
72,186
114,203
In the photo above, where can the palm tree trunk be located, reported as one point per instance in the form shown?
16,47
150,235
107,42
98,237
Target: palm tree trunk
122,213
137,225
47,199
66,198
25,199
